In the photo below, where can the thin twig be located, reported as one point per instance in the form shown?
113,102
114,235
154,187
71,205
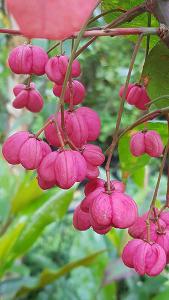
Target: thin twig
120,112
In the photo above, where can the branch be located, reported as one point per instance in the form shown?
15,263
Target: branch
100,32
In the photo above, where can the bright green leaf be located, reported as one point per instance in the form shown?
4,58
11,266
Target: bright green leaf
53,210
156,73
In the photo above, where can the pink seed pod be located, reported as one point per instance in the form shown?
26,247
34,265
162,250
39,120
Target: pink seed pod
123,205
44,185
28,59
131,85
102,231
137,144
12,146
20,87
153,144
56,68
110,209
80,128
65,168
81,220
32,153
86,203
164,216
146,259
28,97
93,155
70,168
138,96
76,127
97,228
163,241
97,182
139,229
51,132
93,122
46,170
76,93
101,210
92,171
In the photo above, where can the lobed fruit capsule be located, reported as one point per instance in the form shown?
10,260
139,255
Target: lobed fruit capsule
27,97
80,127
145,258
28,59
25,149
146,142
136,95
75,92
63,167
56,68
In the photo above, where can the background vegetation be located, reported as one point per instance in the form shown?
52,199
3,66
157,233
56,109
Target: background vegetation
41,255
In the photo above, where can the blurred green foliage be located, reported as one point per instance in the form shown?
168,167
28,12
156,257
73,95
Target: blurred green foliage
41,255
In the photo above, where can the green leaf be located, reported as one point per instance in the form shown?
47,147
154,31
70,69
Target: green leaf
155,73
162,296
53,210
131,164
140,21
48,276
138,177
27,193
9,239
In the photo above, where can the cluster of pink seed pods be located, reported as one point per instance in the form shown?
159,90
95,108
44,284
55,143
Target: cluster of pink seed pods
75,159
103,210
148,256
66,165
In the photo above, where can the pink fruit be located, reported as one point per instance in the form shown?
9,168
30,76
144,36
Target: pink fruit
56,68
145,258
76,93
93,155
146,142
65,168
81,219
28,59
163,241
27,97
93,122
44,185
110,209
138,96
92,171
11,147
131,85
50,19
153,144
97,182
80,128
22,147
86,203
32,153
139,230
137,144
164,216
